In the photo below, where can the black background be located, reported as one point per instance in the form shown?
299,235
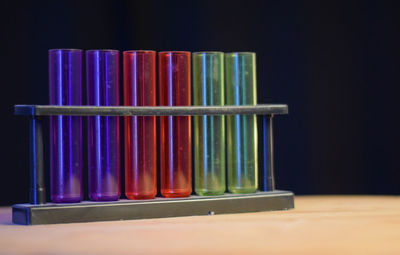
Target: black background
334,63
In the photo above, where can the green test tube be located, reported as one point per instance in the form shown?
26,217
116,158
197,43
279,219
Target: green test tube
242,153
209,131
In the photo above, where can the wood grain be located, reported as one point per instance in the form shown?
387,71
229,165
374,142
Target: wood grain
318,225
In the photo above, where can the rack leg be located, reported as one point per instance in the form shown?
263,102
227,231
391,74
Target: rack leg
268,181
36,164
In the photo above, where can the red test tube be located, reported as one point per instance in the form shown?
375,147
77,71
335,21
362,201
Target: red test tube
140,131
175,133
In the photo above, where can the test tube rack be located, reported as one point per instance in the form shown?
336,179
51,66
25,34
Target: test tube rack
39,211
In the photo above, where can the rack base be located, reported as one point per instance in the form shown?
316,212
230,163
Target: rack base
50,213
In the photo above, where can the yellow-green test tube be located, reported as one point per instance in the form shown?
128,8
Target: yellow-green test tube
242,153
209,131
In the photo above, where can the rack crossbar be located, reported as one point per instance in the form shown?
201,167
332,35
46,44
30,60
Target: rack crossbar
49,110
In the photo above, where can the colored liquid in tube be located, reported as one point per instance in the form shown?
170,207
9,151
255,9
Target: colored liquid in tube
102,77
175,131
140,131
209,131
242,152
65,87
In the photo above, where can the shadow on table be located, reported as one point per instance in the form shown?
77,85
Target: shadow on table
5,216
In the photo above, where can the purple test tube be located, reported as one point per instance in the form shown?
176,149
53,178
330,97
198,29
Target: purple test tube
102,77
65,87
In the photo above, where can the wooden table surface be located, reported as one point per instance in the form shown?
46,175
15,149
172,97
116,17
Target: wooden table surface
318,225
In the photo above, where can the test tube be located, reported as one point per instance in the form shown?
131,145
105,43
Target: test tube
140,131
242,158
102,79
209,131
175,133
65,87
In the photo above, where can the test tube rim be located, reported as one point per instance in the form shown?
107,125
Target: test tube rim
208,52
240,53
65,50
174,53
102,51
131,52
